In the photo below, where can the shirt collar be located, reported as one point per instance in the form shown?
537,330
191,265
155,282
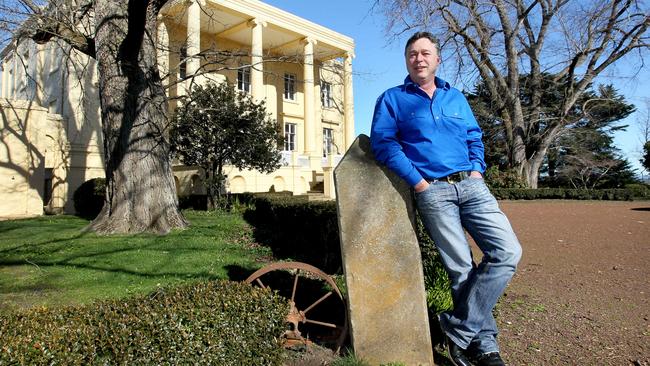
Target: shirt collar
441,84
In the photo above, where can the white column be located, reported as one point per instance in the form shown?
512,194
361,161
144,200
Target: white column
39,71
257,69
348,100
309,111
14,76
163,49
193,37
3,78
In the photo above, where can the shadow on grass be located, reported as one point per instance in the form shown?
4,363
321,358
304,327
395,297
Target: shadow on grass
239,273
49,260
53,253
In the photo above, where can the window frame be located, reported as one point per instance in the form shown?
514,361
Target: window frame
328,141
290,136
244,79
289,87
326,99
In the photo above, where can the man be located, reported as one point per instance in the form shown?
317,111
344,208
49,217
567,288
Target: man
424,130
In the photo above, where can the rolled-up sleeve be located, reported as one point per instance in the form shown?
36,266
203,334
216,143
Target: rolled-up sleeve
384,139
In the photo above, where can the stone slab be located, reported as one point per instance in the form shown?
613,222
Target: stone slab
381,260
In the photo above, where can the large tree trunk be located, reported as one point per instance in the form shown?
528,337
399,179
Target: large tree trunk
140,192
530,173
528,163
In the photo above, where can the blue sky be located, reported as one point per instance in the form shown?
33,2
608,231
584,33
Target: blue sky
379,65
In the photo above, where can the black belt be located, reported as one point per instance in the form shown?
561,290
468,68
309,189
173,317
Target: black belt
451,178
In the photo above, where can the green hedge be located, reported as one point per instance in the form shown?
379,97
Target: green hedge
199,202
308,232
613,194
89,198
296,228
218,323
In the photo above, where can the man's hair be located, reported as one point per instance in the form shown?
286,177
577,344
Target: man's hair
419,35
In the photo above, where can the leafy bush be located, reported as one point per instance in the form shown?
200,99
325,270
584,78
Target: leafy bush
496,178
296,228
198,202
231,201
639,191
89,198
308,231
218,323
614,194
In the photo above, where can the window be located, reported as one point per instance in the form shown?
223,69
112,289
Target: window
289,136
47,186
290,86
326,94
327,141
182,66
244,79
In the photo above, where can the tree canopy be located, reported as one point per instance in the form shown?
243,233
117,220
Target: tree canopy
583,154
218,125
646,156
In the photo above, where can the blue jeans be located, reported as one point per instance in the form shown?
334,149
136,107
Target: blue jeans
447,210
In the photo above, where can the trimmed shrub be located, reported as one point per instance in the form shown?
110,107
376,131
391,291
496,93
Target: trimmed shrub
296,228
89,198
198,202
496,178
614,194
639,191
308,232
218,323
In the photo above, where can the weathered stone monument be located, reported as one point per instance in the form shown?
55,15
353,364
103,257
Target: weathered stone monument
381,260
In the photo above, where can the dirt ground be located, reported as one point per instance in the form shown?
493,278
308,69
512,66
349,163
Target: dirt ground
580,295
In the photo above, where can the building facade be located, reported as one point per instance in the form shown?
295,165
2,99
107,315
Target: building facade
51,133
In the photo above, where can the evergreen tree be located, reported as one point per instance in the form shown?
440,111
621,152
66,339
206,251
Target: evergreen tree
583,155
646,156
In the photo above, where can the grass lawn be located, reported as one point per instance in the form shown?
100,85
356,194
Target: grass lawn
50,261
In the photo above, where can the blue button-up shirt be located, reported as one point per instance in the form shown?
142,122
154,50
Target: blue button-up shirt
421,137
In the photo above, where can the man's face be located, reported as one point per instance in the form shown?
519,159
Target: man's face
422,61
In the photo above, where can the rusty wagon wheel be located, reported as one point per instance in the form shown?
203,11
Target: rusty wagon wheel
317,312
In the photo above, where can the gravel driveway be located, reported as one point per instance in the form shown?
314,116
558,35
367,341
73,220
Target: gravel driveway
580,296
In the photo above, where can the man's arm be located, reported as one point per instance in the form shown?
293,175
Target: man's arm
475,145
386,147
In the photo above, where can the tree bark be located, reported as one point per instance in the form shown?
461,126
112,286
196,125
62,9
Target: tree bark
140,189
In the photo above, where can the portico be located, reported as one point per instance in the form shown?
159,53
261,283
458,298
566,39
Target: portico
301,70
283,60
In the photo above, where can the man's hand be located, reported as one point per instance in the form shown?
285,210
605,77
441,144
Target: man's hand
475,174
421,186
